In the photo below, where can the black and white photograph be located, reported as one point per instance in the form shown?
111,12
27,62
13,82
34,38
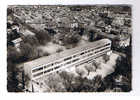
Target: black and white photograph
69,48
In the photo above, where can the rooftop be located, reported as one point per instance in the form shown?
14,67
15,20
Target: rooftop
66,53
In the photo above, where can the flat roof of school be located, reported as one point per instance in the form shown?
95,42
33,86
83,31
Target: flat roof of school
66,53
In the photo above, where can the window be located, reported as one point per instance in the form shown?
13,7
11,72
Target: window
49,70
89,61
76,55
45,67
57,67
38,74
96,51
90,54
88,50
49,65
82,62
67,58
82,53
107,44
75,60
102,46
99,50
38,69
102,53
57,62
98,47
92,49
68,62
85,51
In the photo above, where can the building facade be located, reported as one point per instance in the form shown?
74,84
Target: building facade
69,58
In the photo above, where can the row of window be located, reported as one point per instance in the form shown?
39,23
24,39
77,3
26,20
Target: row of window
68,58
38,74
84,62
95,57
102,49
97,51
91,50
55,68
37,69
102,53
82,53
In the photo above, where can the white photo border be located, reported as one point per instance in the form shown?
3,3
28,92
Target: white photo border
135,42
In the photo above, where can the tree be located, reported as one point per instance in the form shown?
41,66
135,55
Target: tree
123,82
67,80
32,40
43,37
120,80
25,80
70,82
12,80
92,34
97,82
81,31
9,11
12,54
80,71
106,58
96,64
89,68
107,83
54,82
123,66
79,84
127,84
86,85
71,39
28,52
51,32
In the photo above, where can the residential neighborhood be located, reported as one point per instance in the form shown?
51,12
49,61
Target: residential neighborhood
69,48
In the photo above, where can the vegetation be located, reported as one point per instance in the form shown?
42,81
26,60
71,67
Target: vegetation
90,68
106,58
79,84
92,35
28,52
43,37
121,78
118,81
32,40
12,54
54,83
71,39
